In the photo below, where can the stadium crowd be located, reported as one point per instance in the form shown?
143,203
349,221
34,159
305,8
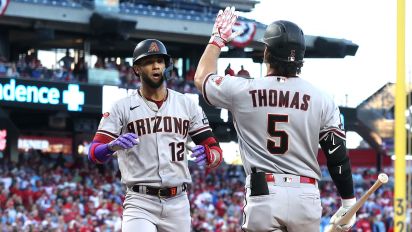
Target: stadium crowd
69,70
53,192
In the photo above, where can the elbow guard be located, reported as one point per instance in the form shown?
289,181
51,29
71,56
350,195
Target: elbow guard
334,147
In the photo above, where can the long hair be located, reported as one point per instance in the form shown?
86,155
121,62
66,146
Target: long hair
283,67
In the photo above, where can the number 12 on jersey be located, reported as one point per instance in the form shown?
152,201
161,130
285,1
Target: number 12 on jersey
281,146
177,151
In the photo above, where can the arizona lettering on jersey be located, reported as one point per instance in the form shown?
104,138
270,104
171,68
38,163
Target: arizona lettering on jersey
160,159
159,124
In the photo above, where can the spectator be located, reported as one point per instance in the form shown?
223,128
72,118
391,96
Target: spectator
67,61
243,72
99,63
229,71
175,71
190,75
363,224
378,225
3,67
12,71
80,70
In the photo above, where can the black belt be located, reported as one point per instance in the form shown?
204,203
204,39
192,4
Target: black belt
160,192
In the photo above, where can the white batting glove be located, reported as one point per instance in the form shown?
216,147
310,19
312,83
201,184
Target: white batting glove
222,29
346,204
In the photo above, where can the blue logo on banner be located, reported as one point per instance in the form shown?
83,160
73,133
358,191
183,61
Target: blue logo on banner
73,97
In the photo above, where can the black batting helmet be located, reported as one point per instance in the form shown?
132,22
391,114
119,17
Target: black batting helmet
150,47
285,41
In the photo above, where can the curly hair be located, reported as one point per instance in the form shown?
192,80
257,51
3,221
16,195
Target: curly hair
283,67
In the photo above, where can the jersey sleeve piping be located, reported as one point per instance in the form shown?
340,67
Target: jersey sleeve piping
204,88
107,133
200,130
335,131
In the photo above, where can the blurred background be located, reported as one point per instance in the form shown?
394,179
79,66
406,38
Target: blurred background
63,63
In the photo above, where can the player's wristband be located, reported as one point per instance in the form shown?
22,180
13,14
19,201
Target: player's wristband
347,203
100,153
217,41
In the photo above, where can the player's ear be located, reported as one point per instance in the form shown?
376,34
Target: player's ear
136,69
265,53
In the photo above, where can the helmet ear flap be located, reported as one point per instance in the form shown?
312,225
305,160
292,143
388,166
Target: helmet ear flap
167,72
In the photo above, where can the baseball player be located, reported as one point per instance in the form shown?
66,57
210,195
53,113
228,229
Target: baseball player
280,120
148,132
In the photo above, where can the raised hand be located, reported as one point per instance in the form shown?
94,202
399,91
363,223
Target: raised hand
124,141
222,29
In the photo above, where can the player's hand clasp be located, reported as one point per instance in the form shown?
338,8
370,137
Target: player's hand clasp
124,141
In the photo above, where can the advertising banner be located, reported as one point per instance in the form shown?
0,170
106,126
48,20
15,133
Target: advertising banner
46,144
37,94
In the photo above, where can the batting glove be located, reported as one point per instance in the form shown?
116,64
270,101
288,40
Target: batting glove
222,29
346,204
205,156
124,141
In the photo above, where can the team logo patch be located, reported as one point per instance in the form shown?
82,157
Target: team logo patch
292,55
153,47
218,79
106,114
205,121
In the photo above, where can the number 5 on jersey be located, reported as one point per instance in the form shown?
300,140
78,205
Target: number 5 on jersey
280,146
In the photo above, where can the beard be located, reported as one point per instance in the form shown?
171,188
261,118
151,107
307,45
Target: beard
150,82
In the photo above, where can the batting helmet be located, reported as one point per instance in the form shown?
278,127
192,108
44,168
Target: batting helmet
151,47
285,41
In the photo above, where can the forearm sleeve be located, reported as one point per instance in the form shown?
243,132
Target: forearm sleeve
99,153
338,164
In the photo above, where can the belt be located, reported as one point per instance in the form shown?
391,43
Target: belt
159,192
271,177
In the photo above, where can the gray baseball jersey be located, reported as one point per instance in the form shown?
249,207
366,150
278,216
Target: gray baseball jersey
160,159
275,118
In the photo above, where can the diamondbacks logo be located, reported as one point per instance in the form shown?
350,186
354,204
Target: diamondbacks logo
218,79
153,47
106,114
292,55
205,121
